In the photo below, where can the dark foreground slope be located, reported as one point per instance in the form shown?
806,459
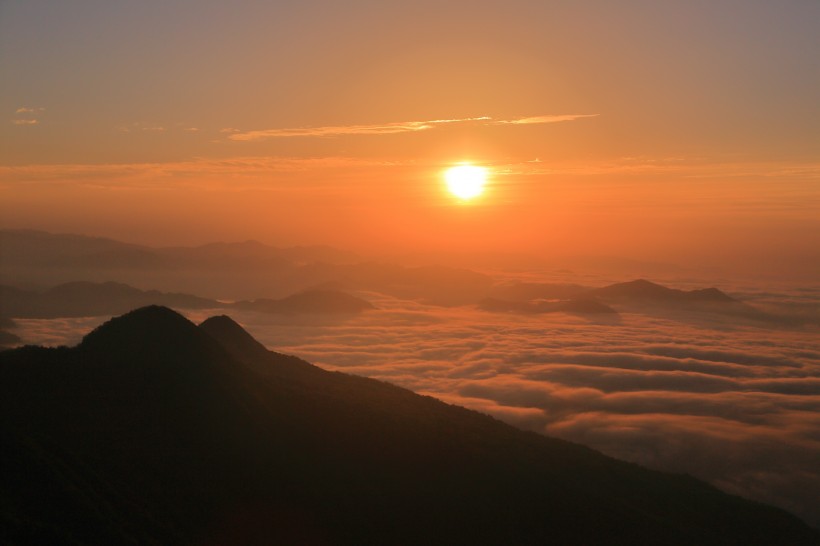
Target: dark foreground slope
154,430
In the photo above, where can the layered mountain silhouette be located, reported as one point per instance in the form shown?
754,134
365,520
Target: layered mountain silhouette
38,248
235,271
83,299
156,431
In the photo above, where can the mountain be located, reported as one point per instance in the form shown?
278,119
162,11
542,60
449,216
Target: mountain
156,431
235,271
309,302
38,248
645,291
84,299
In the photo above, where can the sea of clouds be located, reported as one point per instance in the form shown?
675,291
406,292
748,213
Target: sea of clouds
736,404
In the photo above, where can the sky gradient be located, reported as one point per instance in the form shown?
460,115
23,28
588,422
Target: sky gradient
686,132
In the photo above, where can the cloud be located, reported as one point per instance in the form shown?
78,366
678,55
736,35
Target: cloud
739,407
25,115
255,170
377,129
544,119
395,127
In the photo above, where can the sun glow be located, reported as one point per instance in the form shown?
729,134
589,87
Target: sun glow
466,181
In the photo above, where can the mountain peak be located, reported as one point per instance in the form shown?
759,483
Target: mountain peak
146,331
235,339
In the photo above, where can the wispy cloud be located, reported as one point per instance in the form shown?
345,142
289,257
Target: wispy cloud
395,127
140,126
545,119
25,115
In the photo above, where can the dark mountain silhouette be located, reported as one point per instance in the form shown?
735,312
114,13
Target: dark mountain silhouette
309,302
82,299
579,306
646,291
156,431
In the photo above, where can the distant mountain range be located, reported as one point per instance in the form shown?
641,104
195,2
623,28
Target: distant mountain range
77,299
638,295
250,272
82,299
645,291
156,431
38,248
235,271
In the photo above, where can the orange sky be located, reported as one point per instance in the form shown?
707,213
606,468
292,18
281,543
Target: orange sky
673,131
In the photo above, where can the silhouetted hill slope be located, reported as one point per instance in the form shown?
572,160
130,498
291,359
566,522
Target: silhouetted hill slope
239,343
83,299
310,301
156,431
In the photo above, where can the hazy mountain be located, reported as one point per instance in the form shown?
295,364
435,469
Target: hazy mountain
154,430
309,302
235,271
83,299
25,247
37,248
646,291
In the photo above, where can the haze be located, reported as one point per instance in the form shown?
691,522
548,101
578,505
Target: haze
668,131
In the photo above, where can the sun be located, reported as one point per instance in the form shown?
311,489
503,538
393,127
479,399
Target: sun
466,181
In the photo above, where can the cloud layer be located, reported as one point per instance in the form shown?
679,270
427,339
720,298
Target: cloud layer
738,406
